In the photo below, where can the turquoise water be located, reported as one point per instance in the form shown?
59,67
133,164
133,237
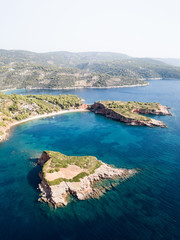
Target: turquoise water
145,207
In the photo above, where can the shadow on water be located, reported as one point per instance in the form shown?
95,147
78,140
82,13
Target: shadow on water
33,176
34,160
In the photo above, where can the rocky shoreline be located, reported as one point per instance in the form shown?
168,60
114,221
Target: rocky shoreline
100,108
58,195
97,108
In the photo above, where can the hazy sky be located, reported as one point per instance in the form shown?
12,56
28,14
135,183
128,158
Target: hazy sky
136,27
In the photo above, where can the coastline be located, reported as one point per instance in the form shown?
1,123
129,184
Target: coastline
7,129
9,89
71,88
58,184
106,109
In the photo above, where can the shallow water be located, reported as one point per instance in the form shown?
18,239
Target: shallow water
144,207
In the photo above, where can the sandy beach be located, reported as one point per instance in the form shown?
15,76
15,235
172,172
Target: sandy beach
11,125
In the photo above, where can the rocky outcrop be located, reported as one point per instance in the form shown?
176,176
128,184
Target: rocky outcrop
100,108
163,110
44,158
85,188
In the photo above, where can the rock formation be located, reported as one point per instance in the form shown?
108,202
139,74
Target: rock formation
82,189
130,112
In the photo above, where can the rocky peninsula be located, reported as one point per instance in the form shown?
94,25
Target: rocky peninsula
131,112
62,176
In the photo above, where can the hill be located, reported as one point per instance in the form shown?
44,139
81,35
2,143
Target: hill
171,61
24,69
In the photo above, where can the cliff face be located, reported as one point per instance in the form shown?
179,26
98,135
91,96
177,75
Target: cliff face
84,188
44,158
163,110
100,108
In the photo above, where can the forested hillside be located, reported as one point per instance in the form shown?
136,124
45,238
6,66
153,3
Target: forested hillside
23,69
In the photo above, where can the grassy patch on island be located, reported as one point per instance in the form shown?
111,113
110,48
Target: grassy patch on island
131,109
57,160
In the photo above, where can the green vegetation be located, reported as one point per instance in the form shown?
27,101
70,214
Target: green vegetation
22,69
2,124
74,179
131,110
58,160
18,107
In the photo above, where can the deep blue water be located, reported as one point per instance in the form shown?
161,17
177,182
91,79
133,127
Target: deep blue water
145,207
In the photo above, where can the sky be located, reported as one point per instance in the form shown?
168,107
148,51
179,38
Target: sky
139,28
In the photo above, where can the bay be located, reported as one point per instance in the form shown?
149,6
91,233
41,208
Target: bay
144,207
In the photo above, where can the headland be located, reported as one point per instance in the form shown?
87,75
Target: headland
131,113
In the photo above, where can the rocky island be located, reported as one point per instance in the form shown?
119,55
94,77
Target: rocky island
64,176
131,112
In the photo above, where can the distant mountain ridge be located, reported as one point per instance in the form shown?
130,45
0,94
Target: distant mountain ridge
171,61
60,58
25,69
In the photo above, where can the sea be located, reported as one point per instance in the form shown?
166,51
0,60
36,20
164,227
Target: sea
144,207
